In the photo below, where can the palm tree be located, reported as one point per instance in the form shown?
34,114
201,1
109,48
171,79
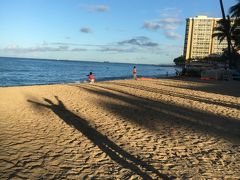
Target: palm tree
229,27
222,9
227,30
236,34
220,31
235,10
235,13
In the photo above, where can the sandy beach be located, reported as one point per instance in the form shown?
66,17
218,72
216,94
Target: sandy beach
124,129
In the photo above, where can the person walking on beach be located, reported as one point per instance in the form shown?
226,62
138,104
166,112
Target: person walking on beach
134,73
91,78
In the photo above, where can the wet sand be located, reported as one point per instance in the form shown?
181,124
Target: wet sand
125,129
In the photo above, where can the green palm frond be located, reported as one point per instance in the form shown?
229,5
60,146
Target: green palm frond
220,36
219,29
235,10
236,23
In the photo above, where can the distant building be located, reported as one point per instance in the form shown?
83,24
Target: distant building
198,38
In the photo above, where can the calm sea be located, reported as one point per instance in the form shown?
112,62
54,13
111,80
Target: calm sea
20,71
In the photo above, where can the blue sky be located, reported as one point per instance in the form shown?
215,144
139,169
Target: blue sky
136,31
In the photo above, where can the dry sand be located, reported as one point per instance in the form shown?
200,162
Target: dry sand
159,129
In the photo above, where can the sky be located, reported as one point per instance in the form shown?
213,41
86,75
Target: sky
127,31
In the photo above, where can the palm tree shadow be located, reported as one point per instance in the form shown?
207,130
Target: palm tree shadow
216,125
115,152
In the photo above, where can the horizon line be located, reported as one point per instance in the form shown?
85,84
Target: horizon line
102,61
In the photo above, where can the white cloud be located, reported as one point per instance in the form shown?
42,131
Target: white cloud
172,35
63,44
86,30
78,49
140,45
151,25
118,49
169,22
18,49
164,24
170,12
24,50
139,41
96,8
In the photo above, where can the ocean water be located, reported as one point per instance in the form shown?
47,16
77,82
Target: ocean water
21,71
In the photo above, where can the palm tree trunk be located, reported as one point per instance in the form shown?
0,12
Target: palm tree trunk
222,9
228,35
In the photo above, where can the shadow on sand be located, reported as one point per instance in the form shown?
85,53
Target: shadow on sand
212,86
165,112
115,152
178,94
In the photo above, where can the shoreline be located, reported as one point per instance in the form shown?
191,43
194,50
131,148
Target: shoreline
161,128
101,80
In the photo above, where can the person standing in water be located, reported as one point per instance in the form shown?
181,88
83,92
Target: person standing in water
134,73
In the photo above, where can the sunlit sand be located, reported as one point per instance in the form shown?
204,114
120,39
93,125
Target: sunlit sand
125,129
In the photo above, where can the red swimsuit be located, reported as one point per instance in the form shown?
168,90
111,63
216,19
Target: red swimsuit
91,77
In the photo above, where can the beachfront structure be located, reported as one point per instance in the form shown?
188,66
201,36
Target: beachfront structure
199,42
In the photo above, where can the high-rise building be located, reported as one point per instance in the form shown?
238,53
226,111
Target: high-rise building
199,42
